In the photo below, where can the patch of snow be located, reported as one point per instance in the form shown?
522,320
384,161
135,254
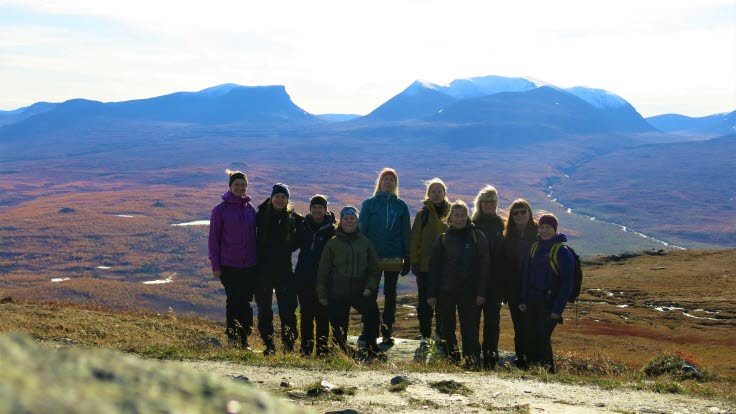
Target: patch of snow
59,279
161,281
124,215
103,267
622,306
698,317
598,97
194,223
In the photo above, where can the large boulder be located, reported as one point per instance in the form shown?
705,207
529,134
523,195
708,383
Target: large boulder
37,379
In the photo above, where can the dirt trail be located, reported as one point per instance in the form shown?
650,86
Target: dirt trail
489,393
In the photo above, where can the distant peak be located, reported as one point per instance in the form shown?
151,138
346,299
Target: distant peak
419,85
219,90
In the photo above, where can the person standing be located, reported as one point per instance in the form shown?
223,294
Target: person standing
545,289
232,253
429,223
348,277
513,255
487,220
312,233
459,270
277,223
385,220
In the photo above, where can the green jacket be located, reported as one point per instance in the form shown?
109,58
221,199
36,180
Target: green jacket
425,232
348,266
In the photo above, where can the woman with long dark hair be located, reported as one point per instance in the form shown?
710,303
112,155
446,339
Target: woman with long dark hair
513,254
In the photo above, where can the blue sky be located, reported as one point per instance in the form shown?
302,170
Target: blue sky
349,57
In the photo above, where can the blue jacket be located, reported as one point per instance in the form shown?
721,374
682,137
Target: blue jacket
384,219
541,284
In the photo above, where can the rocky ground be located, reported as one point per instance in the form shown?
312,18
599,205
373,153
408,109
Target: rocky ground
369,391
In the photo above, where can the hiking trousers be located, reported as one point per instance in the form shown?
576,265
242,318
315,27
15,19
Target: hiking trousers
312,313
239,286
519,320
491,312
390,281
539,332
426,313
286,298
467,311
339,315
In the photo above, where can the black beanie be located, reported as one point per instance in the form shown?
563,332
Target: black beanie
280,188
318,200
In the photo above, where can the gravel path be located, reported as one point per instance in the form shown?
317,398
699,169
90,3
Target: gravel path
489,393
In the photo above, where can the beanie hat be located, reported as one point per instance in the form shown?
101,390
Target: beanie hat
234,176
548,219
318,200
280,188
348,211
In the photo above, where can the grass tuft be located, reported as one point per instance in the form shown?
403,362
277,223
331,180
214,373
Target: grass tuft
451,387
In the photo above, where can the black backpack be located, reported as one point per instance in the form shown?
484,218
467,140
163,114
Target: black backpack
577,271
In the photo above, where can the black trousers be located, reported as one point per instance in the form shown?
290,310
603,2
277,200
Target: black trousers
467,312
539,332
239,289
313,313
286,298
425,313
388,317
339,314
519,319
491,312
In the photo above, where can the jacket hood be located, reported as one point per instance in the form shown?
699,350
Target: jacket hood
231,198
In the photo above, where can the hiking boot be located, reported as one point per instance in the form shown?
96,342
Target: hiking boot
388,341
361,339
270,348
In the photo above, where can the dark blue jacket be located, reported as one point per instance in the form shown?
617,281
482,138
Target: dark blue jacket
384,219
541,284
311,239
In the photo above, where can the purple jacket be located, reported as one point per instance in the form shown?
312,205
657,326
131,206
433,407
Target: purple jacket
232,241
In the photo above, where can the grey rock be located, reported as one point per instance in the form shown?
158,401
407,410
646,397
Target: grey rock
285,384
76,380
346,411
399,379
66,210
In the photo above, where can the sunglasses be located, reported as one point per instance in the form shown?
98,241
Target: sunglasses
517,212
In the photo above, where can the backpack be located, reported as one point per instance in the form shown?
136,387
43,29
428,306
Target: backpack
577,274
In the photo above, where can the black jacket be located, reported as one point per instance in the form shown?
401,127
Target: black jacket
492,227
460,265
276,241
513,255
311,239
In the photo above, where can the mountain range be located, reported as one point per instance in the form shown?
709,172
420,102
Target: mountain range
473,108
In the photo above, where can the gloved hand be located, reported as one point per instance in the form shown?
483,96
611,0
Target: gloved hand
406,267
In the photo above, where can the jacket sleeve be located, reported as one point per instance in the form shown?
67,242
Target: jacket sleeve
436,265
374,274
364,217
295,238
215,238
524,282
406,231
416,240
484,264
566,263
324,276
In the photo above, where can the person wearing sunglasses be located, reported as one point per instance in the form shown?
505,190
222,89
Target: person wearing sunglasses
513,254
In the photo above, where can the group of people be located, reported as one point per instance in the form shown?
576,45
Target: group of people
465,265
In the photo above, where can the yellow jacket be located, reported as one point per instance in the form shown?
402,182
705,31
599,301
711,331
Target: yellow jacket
424,234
